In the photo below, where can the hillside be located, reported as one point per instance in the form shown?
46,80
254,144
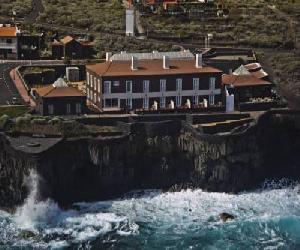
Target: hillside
21,7
270,27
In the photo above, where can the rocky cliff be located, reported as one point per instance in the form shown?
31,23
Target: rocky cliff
168,154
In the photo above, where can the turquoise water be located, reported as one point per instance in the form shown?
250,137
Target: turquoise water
265,219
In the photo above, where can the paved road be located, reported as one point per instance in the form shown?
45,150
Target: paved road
7,87
8,90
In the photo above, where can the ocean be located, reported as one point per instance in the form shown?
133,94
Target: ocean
267,218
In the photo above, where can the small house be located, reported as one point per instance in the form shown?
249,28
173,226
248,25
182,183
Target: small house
59,99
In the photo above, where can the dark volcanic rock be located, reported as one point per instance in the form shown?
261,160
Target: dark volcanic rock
152,155
226,217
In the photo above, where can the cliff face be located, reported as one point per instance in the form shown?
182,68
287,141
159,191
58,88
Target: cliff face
153,155
241,161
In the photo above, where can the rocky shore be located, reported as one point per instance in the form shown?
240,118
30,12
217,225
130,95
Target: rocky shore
169,154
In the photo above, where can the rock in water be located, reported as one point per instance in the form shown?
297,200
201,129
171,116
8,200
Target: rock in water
26,234
226,216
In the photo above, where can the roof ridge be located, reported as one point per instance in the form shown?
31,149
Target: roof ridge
110,63
52,88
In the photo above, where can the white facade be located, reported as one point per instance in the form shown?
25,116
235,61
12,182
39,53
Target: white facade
10,44
129,22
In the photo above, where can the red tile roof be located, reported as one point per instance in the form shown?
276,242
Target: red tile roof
243,80
67,39
149,67
8,31
50,91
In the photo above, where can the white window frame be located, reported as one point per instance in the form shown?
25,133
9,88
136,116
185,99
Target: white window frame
195,100
129,103
91,81
195,84
162,102
212,83
50,109
146,86
99,86
88,78
68,108
211,99
179,84
107,87
95,83
78,108
178,101
130,84
146,103
162,85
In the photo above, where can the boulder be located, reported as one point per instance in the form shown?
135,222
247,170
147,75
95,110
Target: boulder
226,216
27,234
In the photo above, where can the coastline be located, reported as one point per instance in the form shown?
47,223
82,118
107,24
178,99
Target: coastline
153,155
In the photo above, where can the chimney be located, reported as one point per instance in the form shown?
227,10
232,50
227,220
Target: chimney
108,56
166,62
134,62
199,61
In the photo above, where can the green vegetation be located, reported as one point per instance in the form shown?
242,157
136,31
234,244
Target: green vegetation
249,23
89,14
53,126
21,7
13,111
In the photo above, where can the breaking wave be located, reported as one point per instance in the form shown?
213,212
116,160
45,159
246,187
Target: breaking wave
268,218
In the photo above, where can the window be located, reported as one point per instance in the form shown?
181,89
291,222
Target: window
162,102
146,86
162,85
128,86
8,40
178,84
88,94
50,109
195,83
95,98
107,87
68,108
178,101
211,99
195,100
116,84
95,83
99,86
78,108
129,103
91,81
88,79
146,103
212,83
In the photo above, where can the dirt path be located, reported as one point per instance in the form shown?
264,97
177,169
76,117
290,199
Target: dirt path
37,8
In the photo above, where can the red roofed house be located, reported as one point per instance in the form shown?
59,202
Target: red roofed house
246,85
59,99
140,83
9,42
69,47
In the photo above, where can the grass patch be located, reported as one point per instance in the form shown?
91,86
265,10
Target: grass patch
13,111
